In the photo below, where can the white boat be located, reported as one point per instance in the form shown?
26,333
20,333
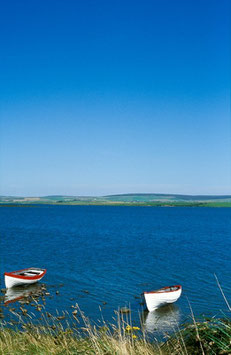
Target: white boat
155,299
23,277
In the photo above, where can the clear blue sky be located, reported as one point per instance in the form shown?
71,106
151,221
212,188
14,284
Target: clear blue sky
102,97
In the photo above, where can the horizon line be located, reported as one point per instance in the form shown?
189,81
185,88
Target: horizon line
119,194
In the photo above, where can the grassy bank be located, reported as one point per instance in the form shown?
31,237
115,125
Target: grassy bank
37,331
27,328
207,337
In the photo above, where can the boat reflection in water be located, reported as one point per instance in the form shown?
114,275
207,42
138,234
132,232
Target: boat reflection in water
164,319
19,292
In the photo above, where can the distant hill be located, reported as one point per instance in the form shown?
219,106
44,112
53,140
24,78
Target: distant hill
166,197
125,199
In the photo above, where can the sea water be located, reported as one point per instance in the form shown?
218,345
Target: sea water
104,257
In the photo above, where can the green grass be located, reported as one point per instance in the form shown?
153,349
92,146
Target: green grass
207,337
75,334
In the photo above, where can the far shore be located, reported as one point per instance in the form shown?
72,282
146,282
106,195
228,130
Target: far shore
130,199
128,204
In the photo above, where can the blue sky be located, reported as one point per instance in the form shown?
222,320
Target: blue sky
103,97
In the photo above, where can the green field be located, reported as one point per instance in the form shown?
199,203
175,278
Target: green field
162,200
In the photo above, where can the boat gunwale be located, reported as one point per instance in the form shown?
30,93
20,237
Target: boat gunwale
22,277
179,287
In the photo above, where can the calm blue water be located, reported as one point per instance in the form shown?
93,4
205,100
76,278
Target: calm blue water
115,253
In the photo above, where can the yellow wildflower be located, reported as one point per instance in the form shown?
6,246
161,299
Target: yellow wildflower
128,328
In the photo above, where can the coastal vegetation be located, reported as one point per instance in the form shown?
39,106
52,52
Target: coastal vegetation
28,328
211,336
155,200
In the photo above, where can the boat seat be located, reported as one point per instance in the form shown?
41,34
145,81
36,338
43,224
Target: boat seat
173,288
29,273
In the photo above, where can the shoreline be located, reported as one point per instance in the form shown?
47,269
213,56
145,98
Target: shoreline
126,204
208,336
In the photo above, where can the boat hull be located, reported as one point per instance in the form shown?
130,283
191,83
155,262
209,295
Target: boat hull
157,299
23,277
12,282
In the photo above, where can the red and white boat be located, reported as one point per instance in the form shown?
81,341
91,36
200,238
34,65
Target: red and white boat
155,299
24,276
